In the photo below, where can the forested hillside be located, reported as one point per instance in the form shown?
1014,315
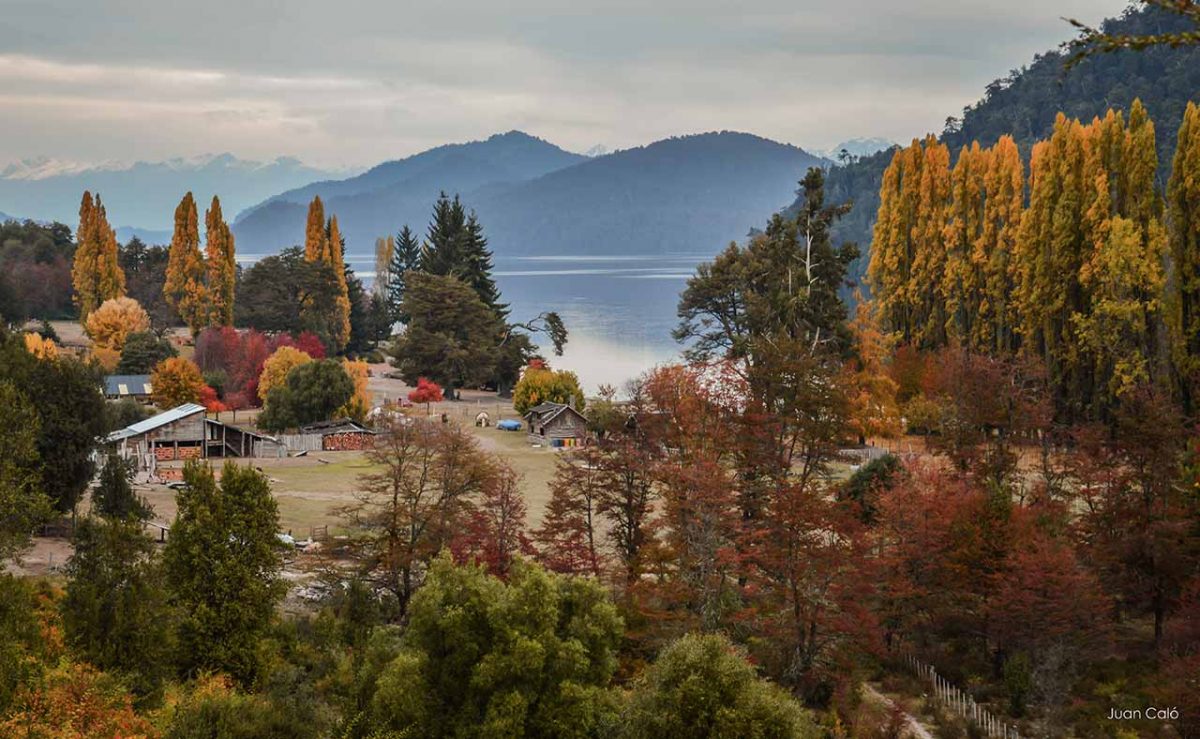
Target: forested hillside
685,194
1025,102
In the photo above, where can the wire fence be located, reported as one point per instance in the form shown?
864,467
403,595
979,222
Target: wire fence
957,701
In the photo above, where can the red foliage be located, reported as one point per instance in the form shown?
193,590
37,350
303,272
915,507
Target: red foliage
217,349
495,531
427,392
568,540
208,399
306,341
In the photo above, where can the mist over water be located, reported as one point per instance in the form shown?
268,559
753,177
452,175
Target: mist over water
619,310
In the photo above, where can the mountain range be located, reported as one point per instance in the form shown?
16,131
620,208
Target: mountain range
141,197
684,194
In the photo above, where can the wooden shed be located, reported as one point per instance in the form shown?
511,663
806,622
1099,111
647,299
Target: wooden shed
556,425
160,442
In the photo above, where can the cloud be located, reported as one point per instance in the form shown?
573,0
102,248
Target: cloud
359,81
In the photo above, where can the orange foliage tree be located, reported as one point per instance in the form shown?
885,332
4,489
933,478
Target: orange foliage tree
112,323
176,381
276,368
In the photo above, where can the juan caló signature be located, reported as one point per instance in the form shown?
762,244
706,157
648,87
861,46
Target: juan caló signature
1151,713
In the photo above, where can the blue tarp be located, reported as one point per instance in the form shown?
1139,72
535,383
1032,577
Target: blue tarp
509,425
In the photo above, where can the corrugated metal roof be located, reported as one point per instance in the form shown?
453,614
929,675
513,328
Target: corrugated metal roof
121,385
154,422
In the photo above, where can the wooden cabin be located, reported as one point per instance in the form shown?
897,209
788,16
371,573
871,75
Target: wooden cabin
556,425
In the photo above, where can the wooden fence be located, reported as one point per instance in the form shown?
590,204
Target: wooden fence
959,702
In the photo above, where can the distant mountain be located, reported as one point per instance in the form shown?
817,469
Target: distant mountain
859,147
1026,102
687,194
598,150
383,198
145,193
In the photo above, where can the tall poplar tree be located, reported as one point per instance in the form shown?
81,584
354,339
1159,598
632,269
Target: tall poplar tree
96,274
384,249
222,265
890,271
334,252
1004,204
1183,199
316,238
929,257
184,287
963,278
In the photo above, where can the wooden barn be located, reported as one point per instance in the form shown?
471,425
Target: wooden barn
556,425
161,443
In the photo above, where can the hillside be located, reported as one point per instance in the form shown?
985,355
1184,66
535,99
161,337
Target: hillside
145,194
691,193
1025,102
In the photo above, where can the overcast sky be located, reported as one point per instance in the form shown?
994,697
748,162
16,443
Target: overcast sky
355,82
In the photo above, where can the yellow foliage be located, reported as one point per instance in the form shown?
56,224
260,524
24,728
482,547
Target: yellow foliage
40,347
221,266
176,381
95,273
75,700
184,288
112,323
108,359
276,368
359,403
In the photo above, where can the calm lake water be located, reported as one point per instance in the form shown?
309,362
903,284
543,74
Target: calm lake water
619,310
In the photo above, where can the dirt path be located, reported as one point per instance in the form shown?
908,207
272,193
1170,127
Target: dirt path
914,728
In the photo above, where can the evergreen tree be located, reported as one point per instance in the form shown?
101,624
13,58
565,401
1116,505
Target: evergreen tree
406,258
22,500
477,267
114,497
222,569
96,274
184,288
445,241
222,265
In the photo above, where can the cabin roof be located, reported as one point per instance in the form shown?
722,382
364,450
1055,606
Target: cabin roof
122,385
165,418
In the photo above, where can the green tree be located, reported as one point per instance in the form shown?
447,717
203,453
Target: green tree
532,657
442,253
703,686
23,503
1183,199
286,293
222,569
312,392
114,497
143,350
115,613
451,336
406,258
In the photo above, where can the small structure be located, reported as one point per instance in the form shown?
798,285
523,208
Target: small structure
157,444
509,424
118,387
556,424
482,419
340,435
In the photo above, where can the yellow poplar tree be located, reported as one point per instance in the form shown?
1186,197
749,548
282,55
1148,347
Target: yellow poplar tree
929,258
316,239
963,278
221,265
41,347
1183,198
384,249
360,403
96,274
335,259
184,287
1004,204
890,270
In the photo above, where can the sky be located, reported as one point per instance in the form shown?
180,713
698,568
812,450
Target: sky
350,83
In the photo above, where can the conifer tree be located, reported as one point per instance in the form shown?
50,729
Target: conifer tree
222,265
406,258
1183,197
96,274
445,239
477,267
184,287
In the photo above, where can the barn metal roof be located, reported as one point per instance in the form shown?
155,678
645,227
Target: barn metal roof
123,385
162,419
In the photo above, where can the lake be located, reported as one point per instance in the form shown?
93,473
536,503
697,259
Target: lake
619,310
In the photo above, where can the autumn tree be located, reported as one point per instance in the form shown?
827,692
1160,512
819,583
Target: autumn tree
185,288
323,244
96,274
176,381
542,385
995,329
311,392
222,568
871,390
570,537
1183,198
276,368
414,504
426,392
220,264
385,250
114,321
495,533
360,402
